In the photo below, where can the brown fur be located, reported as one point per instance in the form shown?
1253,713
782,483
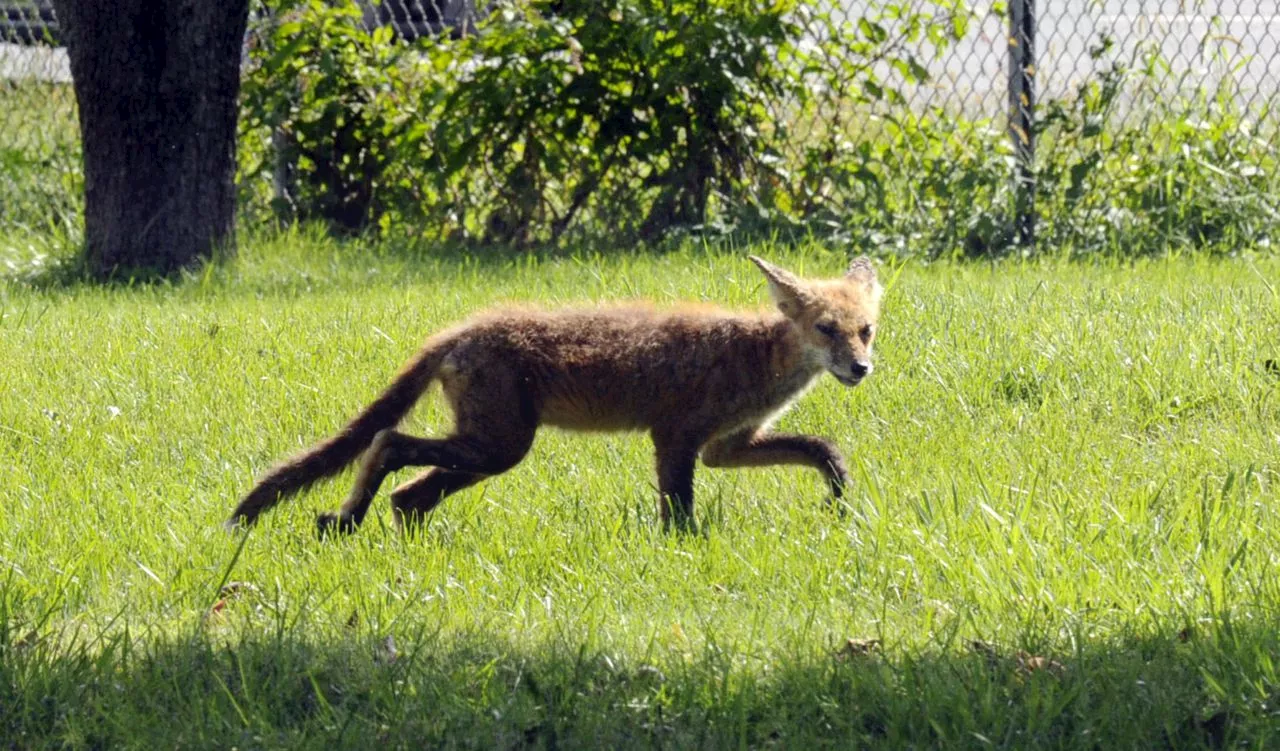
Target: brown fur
699,379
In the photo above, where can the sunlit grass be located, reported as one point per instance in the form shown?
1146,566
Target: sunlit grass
41,178
1077,461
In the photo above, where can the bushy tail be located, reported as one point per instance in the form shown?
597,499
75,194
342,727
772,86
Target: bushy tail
331,456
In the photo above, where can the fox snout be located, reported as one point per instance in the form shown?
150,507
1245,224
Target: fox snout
857,370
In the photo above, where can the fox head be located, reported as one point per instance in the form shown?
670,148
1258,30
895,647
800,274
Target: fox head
836,319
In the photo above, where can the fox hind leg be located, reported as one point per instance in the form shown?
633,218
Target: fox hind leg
494,429
462,454
378,462
412,501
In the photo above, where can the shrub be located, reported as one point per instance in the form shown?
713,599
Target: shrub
555,119
329,116
629,119
638,114
1188,172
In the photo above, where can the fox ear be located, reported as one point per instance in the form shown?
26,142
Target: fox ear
786,290
862,272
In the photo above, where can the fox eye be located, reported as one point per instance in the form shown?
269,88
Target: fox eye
864,333
826,328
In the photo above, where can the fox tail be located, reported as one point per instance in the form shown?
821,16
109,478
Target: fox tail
333,454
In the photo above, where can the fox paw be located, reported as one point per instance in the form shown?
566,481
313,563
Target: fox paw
333,525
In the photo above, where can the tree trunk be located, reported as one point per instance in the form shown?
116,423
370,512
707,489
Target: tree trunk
157,82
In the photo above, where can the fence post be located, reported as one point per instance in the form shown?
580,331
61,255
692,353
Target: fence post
283,168
1022,103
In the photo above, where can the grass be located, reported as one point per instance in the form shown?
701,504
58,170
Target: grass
41,178
1063,533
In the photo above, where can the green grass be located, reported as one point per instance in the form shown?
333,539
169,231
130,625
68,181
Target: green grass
1075,461
41,177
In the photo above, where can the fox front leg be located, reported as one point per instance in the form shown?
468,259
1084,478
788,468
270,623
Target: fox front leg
754,448
676,460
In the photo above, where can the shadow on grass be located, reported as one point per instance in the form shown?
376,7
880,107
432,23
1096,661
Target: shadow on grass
1211,690
304,246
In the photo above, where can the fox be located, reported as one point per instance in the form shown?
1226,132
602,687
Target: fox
703,381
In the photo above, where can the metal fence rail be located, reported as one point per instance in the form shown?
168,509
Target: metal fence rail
1011,59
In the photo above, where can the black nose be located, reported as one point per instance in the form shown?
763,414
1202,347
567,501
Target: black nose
859,369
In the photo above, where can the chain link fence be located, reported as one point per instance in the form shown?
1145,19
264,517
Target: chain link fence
1150,71
1081,93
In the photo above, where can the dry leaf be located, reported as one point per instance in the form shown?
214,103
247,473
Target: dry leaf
216,612
1029,663
232,590
386,653
857,648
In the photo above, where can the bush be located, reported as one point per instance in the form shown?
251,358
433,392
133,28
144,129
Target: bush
625,118
630,119
636,114
329,117
1120,169
1192,172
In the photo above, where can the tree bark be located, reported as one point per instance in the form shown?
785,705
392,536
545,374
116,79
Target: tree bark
157,83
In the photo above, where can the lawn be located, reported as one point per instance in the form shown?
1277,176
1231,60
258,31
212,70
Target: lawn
41,178
1063,530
